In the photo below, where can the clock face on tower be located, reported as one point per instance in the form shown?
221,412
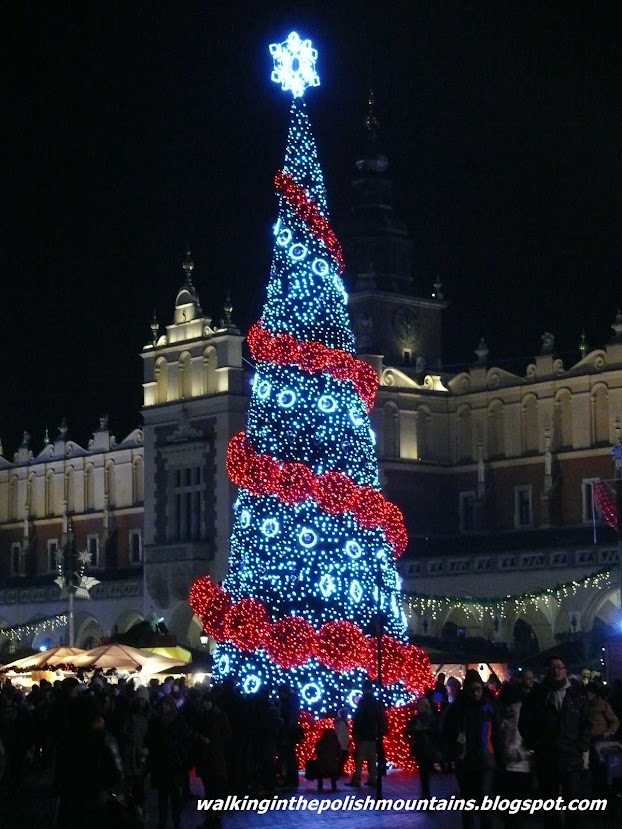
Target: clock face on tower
405,324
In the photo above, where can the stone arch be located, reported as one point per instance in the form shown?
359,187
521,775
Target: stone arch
424,427
47,639
561,624
537,621
181,624
603,604
210,364
464,436
127,620
88,631
185,376
391,430
562,420
496,429
161,380
529,423
459,622
599,405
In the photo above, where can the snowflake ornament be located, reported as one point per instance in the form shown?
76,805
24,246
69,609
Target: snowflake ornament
294,64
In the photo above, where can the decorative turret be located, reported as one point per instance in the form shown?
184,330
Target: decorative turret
187,305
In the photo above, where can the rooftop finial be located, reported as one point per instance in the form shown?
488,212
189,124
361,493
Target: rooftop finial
46,437
228,310
371,121
583,346
155,328
188,266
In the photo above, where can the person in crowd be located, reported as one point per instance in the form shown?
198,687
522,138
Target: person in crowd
212,735
516,779
585,676
133,745
605,723
343,735
328,757
167,742
265,725
369,724
555,725
422,732
470,734
289,709
439,694
231,701
89,772
527,681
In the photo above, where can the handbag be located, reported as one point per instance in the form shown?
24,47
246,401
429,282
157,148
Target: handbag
311,769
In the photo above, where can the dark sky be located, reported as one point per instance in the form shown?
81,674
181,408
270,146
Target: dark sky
135,127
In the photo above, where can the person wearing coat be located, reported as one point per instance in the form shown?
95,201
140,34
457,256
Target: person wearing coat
471,731
213,732
555,725
167,742
328,757
421,730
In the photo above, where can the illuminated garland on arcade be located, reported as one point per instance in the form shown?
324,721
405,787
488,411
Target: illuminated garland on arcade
334,492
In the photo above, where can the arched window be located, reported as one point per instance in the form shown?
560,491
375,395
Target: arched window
209,370
391,431
13,500
562,420
600,414
464,442
49,493
161,378
110,483
89,487
496,430
70,490
138,478
529,413
185,376
424,420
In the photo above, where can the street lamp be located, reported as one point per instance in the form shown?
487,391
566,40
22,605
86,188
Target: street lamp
71,579
617,475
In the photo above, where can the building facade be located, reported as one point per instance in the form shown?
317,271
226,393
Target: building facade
493,470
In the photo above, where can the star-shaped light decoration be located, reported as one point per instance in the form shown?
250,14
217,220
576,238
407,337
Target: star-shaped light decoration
294,64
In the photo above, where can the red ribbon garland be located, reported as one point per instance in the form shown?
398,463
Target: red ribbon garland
307,211
314,357
292,641
334,492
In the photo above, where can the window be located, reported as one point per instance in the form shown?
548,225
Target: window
16,551
407,356
523,516
52,551
590,504
466,510
92,547
135,547
186,504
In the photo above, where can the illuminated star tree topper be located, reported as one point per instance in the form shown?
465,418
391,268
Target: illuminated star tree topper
294,64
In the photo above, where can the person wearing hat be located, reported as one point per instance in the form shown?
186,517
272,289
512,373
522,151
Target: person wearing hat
471,733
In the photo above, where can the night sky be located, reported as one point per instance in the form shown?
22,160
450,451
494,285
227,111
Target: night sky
135,128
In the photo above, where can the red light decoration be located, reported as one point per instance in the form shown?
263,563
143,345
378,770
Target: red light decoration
334,492
342,646
606,504
246,624
393,659
307,211
291,642
314,357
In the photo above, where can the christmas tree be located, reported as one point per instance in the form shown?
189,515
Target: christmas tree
314,542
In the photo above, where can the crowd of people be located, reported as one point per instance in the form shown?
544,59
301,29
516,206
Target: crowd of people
519,739
101,743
